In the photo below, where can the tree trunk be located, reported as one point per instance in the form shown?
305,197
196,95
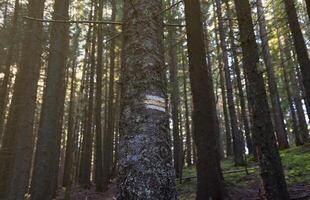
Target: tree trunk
108,137
187,123
308,7
17,147
175,100
238,140
263,134
277,113
98,119
209,176
145,160
4,89
245,120
68,166
49,134
300,46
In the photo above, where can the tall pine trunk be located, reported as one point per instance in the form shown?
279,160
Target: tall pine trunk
206,132
300,46
277,113
17,146
145,160
49,133
269,159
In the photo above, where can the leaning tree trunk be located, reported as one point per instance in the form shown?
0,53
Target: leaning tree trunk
17,146
145,160
206,133
300,46
277,113
263,133
49,134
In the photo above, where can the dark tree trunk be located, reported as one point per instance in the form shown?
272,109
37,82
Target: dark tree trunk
88,136
175,100
98,119
187,123
108,137
4,88
17,146
308,7
300,46
68,165
244,116
238,140
49,134
277,113
209,176
263,134
145,160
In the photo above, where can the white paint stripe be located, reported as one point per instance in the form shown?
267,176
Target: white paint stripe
155,98
156,108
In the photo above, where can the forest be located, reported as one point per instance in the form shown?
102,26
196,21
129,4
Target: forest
154,99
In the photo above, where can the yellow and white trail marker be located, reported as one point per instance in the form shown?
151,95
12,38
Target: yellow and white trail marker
155,103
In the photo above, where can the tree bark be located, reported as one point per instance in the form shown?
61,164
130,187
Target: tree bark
109,134
244,116
269,159
206,132
17,147
145,160
238,140
277,113
49,134
300,46
4,89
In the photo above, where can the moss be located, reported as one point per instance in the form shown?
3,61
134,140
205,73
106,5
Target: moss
295,163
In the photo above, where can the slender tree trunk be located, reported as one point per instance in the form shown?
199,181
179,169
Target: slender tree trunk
308,7
98,119
4,87
16,149
238,140
49,134
175,100
300,46
108,137
88,132
68,165
277,113
187,123
209,180
269,159
145,160
245,120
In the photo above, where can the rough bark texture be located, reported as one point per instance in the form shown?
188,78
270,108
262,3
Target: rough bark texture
16,149
238,140
269,159
49,134
300,46
145,160
277,113
209,177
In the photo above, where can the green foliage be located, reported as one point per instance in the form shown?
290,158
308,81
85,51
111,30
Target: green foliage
295,163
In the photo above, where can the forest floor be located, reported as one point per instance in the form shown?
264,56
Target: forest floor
240,185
